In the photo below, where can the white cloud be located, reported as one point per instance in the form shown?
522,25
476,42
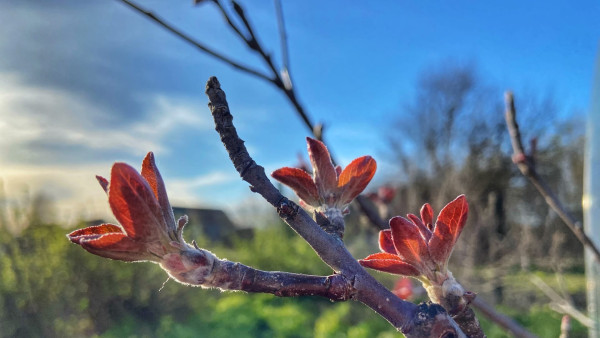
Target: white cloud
74,192
36,114
193,191
47,123
169,114
53,117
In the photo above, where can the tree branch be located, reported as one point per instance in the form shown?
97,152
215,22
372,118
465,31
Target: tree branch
526,165
213,272
194,42
371,213
285,56
279,83
560,304
254,44
426,320
503,321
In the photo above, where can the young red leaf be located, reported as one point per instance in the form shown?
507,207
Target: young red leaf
299,181
103,183
133,203
152,175
410,245
385,241
355,177
425,232
389,263
117,246
93,232
448,227
323,170
143,233
427,216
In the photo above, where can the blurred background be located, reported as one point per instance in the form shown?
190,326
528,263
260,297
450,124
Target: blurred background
417,86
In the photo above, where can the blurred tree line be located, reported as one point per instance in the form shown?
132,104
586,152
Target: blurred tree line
452,139
449,140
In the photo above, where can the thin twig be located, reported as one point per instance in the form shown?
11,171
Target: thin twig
563,305
526,165
501,320
230,22
194,42
428,320
254,44
371,213
285,56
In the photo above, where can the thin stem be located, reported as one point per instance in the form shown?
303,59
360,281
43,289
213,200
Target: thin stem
526,165
285,56
230,22
563,305
503,321
194,42
254,44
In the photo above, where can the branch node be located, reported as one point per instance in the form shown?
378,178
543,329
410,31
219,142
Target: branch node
287,209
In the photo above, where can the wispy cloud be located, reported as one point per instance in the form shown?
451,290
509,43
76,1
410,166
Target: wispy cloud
41,125
54,141
74,193
199,189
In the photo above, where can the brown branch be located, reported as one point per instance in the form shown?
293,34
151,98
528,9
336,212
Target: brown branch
212,272
426,320
371,213
526,165
194,42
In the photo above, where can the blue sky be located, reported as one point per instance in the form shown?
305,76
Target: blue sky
86,83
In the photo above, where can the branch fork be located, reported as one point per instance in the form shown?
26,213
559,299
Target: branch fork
425,320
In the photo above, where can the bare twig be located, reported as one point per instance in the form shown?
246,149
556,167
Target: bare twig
285,56
561,304
501,320
194,42
371,213
526,165
426,320
255,45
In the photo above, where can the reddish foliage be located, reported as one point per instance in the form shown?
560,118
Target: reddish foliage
329,186
140,204
403,288
423,248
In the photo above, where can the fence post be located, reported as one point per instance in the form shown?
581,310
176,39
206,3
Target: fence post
591,203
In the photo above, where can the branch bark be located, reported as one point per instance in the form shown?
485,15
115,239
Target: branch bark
425,320
226,275
526,164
